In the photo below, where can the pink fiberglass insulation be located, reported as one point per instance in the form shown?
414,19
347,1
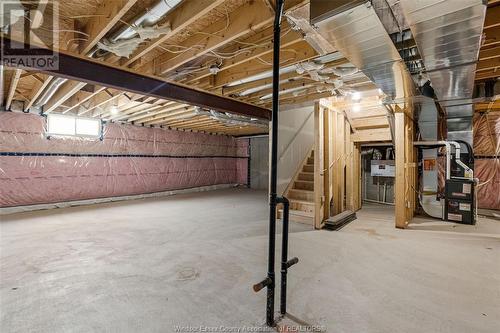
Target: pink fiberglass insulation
129,160
486,129
488,191
487,163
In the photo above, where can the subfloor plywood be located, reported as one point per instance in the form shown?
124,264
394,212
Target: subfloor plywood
189,260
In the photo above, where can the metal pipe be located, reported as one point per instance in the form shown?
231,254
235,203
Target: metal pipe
457,149
285,263
284,255
269,282
448,155
468,171
274,161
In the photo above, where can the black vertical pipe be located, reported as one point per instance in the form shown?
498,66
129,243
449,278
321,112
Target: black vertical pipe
284,255
285,263
274,162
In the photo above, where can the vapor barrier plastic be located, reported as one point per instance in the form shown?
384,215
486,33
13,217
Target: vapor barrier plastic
487,163
486,134
488,172
129,160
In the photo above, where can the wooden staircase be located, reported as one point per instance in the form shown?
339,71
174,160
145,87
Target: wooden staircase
300,193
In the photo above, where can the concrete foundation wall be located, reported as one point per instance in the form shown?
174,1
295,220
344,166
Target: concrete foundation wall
259,163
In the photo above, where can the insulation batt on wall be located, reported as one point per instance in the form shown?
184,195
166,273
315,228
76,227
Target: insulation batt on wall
129,160
487,163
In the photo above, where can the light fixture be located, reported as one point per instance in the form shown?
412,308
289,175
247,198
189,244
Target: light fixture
356,96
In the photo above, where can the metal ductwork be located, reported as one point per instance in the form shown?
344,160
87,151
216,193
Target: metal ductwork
298,19
426,112
124,41
149,18
448,37
50,91
354,29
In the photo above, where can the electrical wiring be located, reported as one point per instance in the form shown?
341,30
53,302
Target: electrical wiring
263,44
57,30
165,48
215,34
283,62
70,41
222,56
178,49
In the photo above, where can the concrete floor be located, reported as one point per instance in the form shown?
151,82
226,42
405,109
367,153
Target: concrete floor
190,260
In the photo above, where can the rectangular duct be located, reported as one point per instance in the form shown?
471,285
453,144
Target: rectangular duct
427,114
356,31
321,9
448,37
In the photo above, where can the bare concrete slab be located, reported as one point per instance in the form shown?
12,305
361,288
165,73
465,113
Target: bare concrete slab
190,260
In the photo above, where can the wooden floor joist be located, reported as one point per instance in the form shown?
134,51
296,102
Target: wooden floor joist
212,48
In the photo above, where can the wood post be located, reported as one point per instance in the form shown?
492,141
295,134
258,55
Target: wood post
356,191
326,162
405,197
339,161
318,166
337,164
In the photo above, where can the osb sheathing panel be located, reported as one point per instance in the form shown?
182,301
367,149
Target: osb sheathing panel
82,11
215,15
7,77
219,13
26,83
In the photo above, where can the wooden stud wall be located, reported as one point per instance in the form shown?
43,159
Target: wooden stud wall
337,162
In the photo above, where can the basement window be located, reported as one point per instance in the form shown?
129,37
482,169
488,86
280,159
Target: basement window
63,125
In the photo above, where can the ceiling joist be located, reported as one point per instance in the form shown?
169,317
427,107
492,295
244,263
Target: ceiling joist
107,15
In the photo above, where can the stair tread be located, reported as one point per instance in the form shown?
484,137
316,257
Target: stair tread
292,200
305,181
299,213
301,190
